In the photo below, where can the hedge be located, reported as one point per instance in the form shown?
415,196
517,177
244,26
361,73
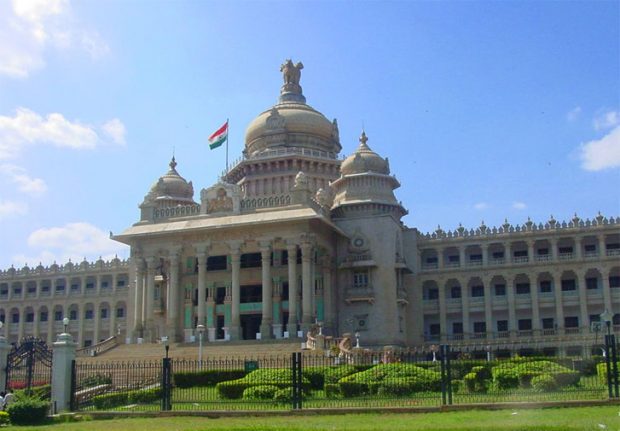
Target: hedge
319,376
116,399
280,377
188,379
261,392
28,411
601,371
520,373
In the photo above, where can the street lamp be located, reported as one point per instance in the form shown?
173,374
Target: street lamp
357,340
65,323
607,316
166,345
201,329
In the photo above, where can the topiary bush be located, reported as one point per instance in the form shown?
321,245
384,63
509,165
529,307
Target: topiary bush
332,390
390,378
4,418
28,411
261,392
144,396
544,383
109,401
205,378
96,380
280,377
521,372
283,396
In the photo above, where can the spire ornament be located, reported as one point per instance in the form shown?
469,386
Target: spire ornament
291,90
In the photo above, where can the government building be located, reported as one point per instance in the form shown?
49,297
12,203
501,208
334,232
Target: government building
293,235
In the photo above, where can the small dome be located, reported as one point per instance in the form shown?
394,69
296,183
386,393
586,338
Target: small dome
364,160
172,186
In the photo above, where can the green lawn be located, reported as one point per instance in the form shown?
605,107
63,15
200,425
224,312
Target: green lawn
552,419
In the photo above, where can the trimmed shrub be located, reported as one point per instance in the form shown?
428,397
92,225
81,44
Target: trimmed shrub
144,396
395,389
28,411
4,418
601,371
96,380
280,377
520,372
457,385
316,376
544,383
233,389
205,378
332,390
261,392
283,396
335,373
395,376
109,401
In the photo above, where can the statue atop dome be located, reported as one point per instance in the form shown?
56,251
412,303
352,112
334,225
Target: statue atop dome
291,90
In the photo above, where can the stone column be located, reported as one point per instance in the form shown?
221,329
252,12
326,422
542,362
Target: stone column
462,256
53,283
113,330
202,286
80,315
98,284
306,282
38,293
328,295
467,329
583,302
68,286
488,307
536,322
606,289
172,313
512,319
440,261
292,290
267,318
151,270
554,249
277,307
507,255
443,312
97,317
20,325
530,251
485,256
114,282
139,288
602,251
50,326
63,355
559,306
578,248
235,262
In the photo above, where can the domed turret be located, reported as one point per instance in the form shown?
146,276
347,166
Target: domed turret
170,190
364,160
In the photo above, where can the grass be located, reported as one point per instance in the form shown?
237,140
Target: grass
552,419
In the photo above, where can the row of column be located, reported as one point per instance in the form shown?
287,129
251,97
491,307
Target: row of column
577,250
511,300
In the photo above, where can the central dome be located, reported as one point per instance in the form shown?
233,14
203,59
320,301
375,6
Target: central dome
291,122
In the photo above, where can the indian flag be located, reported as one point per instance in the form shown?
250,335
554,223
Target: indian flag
219,136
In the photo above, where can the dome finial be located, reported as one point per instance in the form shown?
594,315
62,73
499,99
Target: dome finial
173,163
363,139
291,90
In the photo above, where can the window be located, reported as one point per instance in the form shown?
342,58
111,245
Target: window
88,314
15,318
17,291
525,324
60,288
520,253
543,251
502,325
591,283
500,290
73,315
477,291
568,285
595,318
44,289
455,292
432,293
2,318
434,329
29,317
90,285
431,260
32,289
57,315
104,284
120,283
217,263
589,247
360,279
453,259
457,327
475,258
565,250
104,313
614,246
75,287
571,322
251,260
120,312
220,295
545,286
523,288
480,327
614,281
4,291
548,323
498,255
43,316
616,319
251,293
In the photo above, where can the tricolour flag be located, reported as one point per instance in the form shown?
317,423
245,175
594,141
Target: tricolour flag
219,136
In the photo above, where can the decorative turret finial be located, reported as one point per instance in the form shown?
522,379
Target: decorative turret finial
291,90
363,140
173,163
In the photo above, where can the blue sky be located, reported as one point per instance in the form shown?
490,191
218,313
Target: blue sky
486,110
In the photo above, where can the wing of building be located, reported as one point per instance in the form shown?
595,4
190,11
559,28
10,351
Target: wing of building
293,235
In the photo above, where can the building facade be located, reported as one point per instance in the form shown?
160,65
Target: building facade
293,235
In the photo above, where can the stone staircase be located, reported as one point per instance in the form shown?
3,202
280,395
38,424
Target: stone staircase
238,349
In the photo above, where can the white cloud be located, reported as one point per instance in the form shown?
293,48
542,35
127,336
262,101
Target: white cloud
574,113
74,241
519,205
481,206
25,183
601,154
606,120
11,209
115,129
28,28
29,128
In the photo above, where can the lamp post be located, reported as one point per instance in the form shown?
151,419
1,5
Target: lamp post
201,329
607,316
357,340
65,323
166,345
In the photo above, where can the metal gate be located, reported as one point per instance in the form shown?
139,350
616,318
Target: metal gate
29,366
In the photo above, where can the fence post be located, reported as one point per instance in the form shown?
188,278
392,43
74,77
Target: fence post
294,380
608,365
614,364
297,382
63,356
5,348
443,374
166,402
449,374
300,393
73,401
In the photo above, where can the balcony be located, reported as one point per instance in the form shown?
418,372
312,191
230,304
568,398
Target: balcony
429,266
502,334
359,294
520,259
548,332
525,333
590,254
497,261
566,256
613,252
572,331
542,258
474,263
479,335
453,264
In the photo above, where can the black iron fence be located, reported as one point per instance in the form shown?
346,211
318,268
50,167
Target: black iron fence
418,378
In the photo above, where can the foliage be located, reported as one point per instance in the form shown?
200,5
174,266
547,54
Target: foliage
601,371
521,372
280,377
261,392
544,383
4,418
283,396
28,411
116,399
96,380
319,376
332,390
205,378
477,380
144,396
42,392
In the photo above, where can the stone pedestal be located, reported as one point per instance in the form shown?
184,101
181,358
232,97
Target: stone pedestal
211,334
64,354
5,348
277,330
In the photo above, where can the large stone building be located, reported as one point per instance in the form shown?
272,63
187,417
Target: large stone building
292,235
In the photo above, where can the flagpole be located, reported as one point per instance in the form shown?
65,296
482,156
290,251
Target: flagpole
227,134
